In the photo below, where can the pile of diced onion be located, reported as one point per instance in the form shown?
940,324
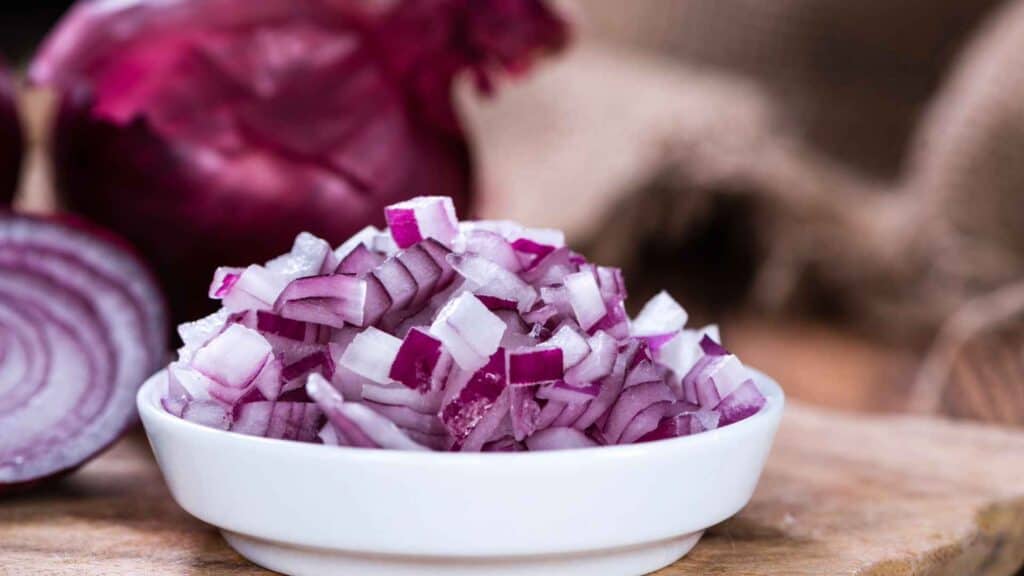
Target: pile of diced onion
443,335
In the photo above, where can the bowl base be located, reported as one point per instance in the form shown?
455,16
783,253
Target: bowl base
303,561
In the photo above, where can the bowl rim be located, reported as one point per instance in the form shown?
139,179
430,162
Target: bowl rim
151,410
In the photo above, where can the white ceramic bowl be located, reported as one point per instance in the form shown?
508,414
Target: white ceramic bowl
310,510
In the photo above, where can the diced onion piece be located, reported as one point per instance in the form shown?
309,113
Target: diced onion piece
494,247
743,402
716,378
559,439
253,418
660,315
360,260
425,217
631,402
309,256
383,432
469,331
183,378
198,332
234,357
331,300
424,271
362,238
487,278
416,359
208,413
476,399
398,395
562,392
598,362
270,379
585,298
573,345
524,412
371,355
398,282
256,287
535,365
644,422
224,279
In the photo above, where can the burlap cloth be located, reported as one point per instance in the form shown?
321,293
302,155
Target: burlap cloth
862,160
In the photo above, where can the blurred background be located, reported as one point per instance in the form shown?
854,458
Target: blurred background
840,184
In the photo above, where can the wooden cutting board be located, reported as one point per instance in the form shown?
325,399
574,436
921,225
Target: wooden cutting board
842,494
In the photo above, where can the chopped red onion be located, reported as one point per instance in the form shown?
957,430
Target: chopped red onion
474,336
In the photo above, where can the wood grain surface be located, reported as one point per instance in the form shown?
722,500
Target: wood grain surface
842,494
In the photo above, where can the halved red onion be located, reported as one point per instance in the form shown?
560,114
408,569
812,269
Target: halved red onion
82,326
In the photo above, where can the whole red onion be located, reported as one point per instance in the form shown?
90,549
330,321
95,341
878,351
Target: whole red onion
11,140
212,131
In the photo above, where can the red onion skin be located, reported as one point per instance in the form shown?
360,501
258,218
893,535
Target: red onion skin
392,137
11,139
